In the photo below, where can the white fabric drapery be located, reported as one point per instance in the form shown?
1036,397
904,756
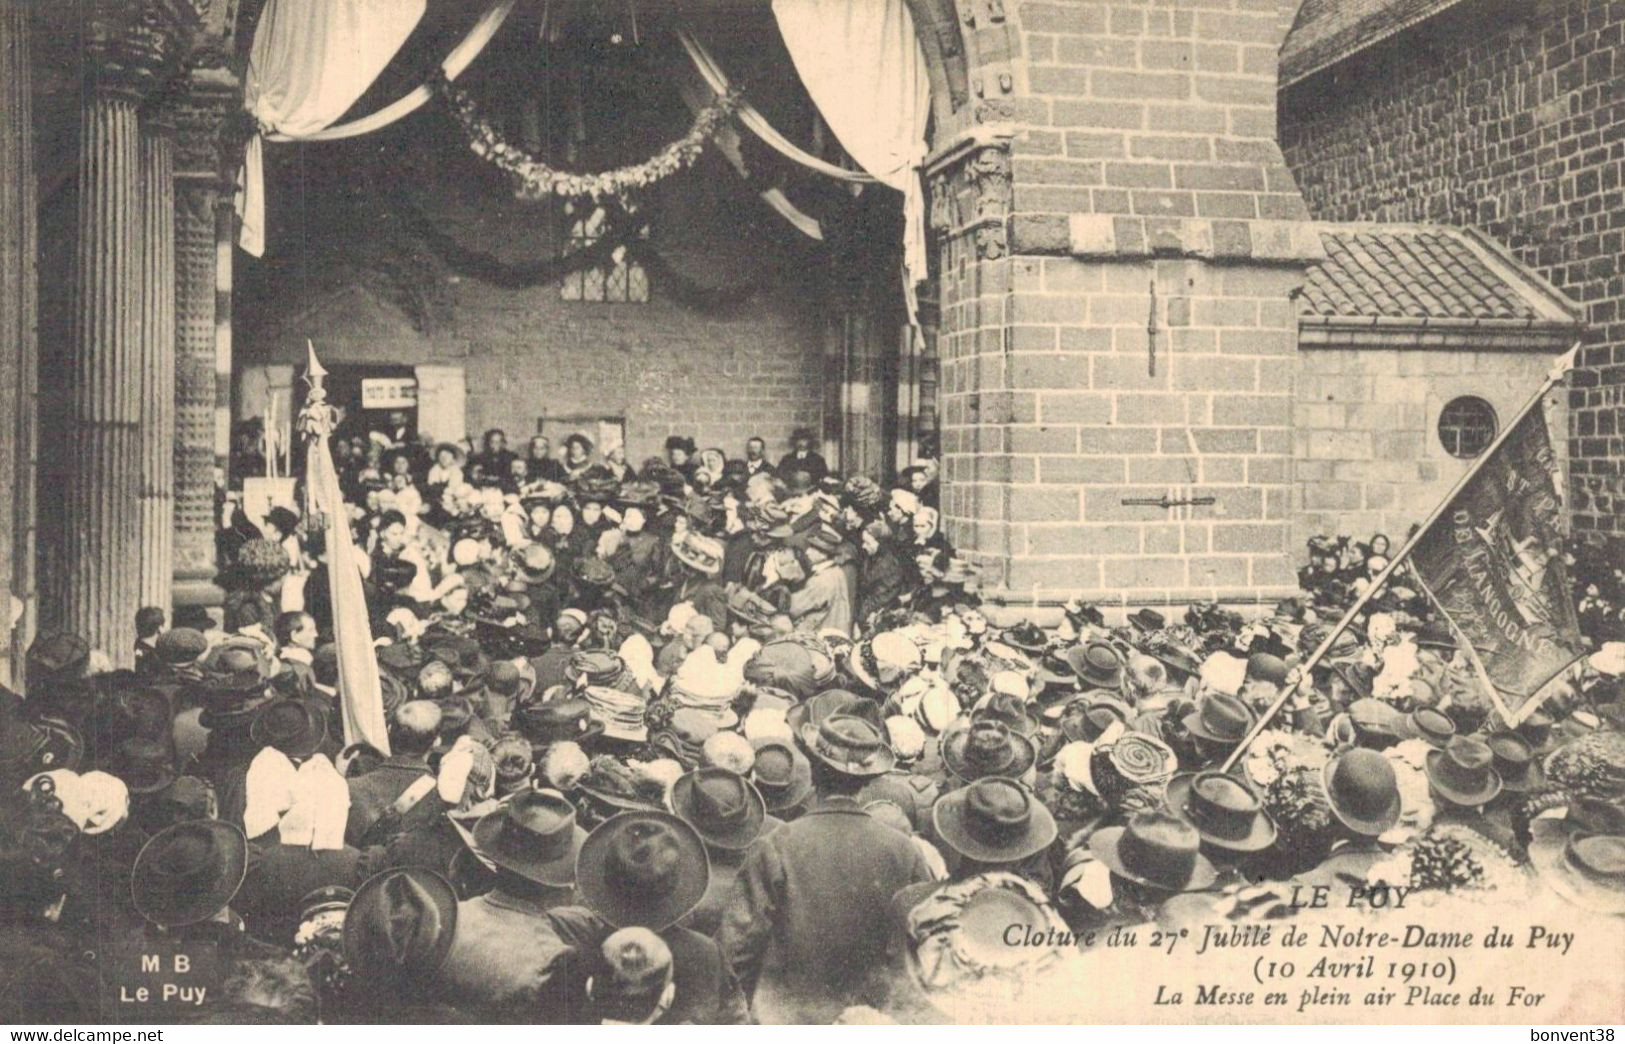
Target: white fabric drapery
863,67
311,61
753,119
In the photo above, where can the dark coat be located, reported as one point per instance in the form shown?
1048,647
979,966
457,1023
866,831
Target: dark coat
813,464
372,793
280,876
806,929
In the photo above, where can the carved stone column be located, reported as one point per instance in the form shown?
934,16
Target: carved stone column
19,276
104,537
203,253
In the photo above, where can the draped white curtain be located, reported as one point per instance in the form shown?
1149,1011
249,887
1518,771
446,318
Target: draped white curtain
862,64
311,61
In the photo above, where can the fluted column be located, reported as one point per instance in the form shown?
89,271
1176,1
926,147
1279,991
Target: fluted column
155,367
117,298
98,585
18,342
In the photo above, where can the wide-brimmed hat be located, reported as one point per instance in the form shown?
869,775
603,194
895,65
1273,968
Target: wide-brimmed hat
831,702
782,774
400,924
1087,716
699,552
1363,791
1026,636
1007,709
1222,809
993,820
535,836
643,869
1463,773
1515,762
297,728
1097,665
640,494
558,721
1431,725
1157,850
188,872
1585,867
1219,718
722,805
1182,663
464,656
848,744
986,748
594,572
144,765
597,666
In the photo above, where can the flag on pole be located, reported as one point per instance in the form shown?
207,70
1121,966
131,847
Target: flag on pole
361,699
1493,562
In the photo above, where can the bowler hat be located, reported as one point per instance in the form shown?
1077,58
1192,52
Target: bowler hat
986,748
1222,809
400,924
188,872
1157,850
1219,718
1515,762
993,820
1363,791
643,869
782,775
535,836
722,805
295,727
1463,773
849,745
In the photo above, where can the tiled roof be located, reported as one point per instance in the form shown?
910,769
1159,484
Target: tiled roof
1425,273
1328,31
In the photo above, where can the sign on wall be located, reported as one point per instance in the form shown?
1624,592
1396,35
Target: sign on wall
389,393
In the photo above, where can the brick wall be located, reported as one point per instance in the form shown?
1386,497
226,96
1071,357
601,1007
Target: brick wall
1368,454
1151,216
1509,117
721,375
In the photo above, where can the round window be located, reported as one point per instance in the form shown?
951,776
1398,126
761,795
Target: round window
1467,426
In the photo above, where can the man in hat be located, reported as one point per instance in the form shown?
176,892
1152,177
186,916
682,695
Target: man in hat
802,457
511,957
805,930
729,814
647,870
403,777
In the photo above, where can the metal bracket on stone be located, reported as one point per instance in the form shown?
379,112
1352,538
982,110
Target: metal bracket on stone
1165,501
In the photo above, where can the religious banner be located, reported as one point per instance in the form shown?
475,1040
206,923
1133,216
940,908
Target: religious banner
1493,561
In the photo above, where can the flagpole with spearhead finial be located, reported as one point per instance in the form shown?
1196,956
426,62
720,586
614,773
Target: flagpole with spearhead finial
360,695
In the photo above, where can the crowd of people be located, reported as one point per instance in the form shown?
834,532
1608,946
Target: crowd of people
720,740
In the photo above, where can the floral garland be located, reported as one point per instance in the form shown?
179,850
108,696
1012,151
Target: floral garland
535,180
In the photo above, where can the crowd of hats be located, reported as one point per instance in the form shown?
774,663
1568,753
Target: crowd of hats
1059,776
